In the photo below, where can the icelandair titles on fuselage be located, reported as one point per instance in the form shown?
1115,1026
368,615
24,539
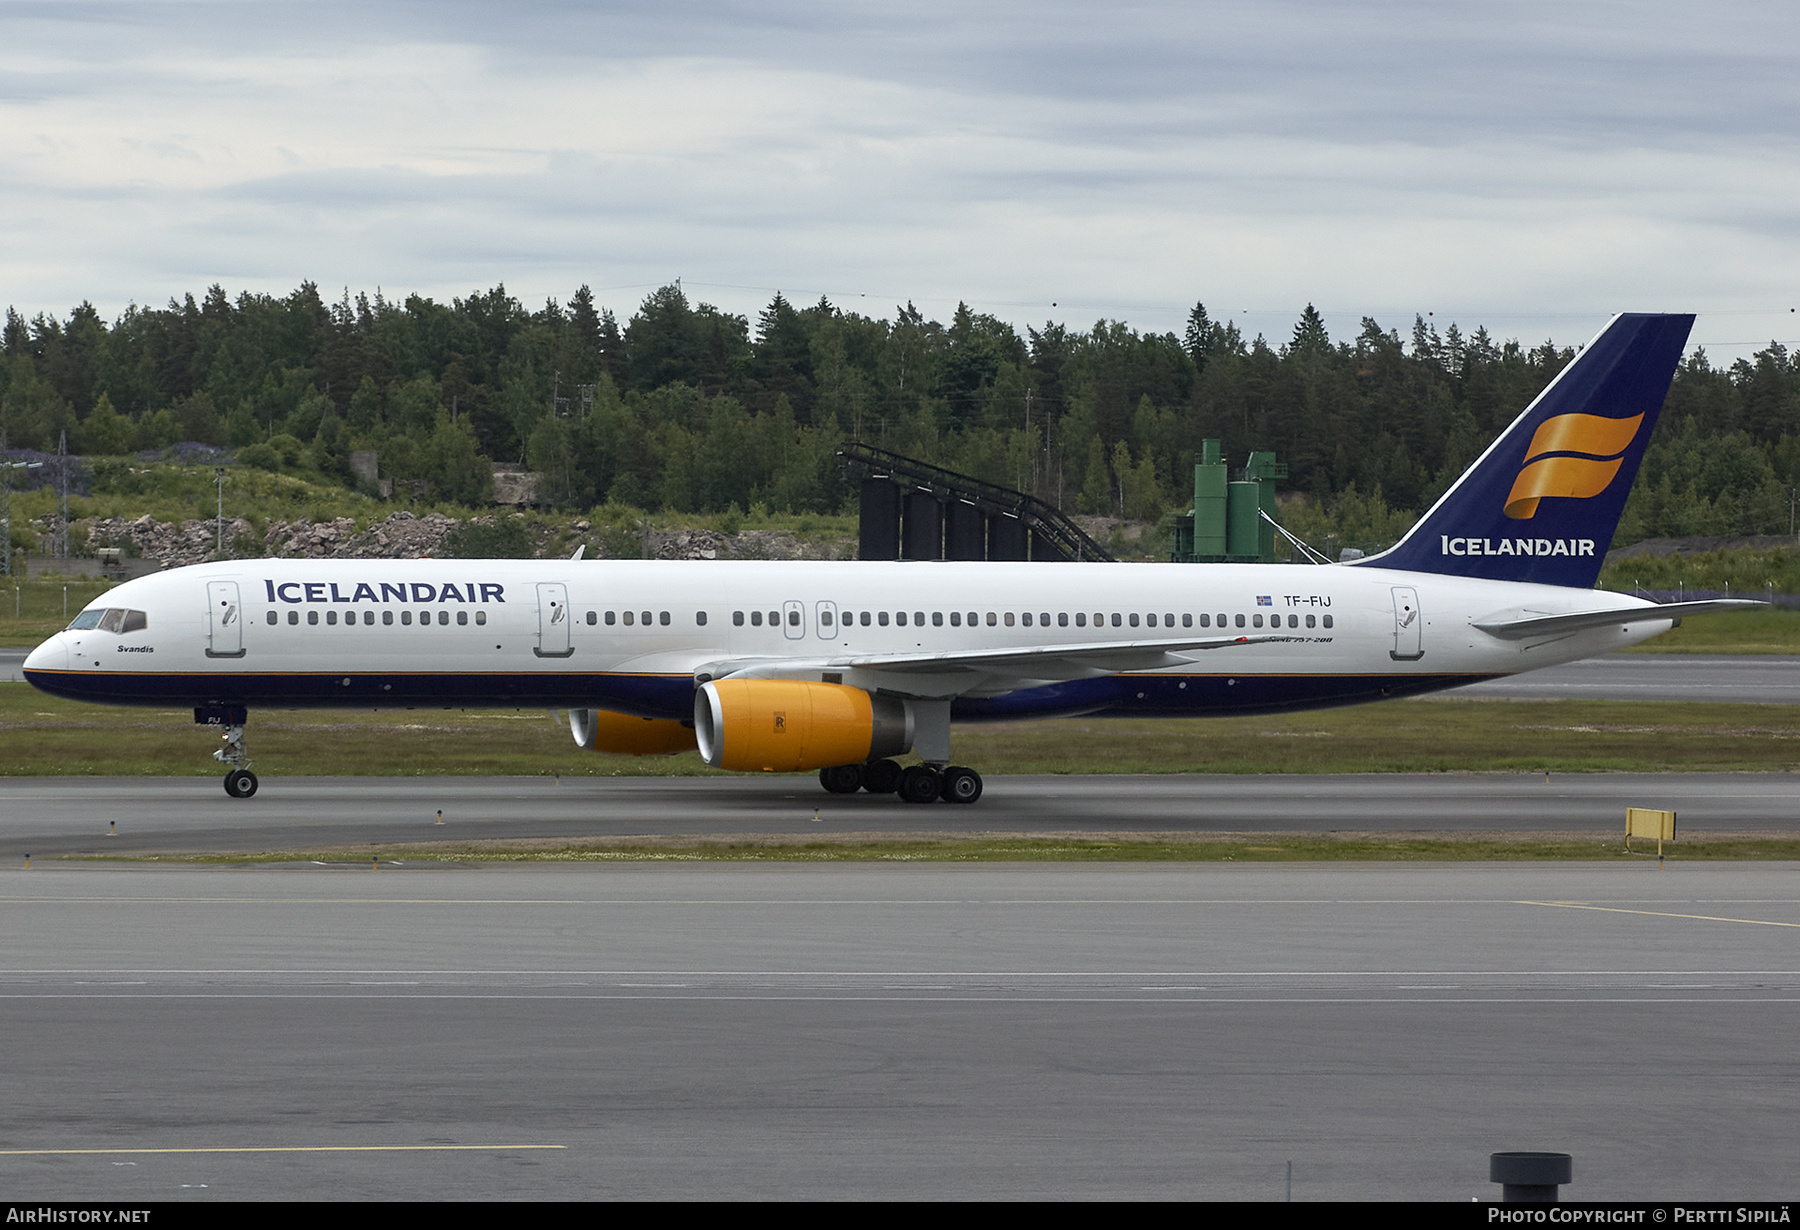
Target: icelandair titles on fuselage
1517,546
415,592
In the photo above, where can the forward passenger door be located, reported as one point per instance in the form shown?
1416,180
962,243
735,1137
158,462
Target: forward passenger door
224,620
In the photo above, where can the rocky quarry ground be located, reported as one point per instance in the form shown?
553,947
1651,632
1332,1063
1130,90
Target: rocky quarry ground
402,535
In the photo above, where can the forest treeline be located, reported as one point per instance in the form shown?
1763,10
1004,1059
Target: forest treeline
688,408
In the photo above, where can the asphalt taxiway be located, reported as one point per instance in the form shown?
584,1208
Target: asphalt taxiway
707,1031
1750,679
83,815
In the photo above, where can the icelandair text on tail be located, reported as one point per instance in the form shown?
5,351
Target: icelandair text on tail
1517,546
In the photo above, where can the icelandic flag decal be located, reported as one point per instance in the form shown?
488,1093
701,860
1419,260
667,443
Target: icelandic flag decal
1264,600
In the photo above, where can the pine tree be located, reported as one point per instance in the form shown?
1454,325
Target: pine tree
612,347
1199,338
104,432
586,322
1310,336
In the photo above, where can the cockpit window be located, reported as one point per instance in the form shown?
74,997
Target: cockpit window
110,619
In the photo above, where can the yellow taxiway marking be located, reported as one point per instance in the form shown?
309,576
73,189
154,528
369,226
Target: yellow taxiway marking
289,1149
1611,909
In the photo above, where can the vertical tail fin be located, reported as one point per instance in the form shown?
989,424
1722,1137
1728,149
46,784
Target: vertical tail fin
1542,503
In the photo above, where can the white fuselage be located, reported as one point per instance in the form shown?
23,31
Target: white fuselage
633,635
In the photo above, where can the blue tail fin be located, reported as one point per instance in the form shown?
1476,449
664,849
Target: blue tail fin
1542,503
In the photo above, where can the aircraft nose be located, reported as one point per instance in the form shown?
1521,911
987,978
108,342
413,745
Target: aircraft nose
52,655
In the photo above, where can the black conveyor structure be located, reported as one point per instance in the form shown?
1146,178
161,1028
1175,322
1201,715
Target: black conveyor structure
912,510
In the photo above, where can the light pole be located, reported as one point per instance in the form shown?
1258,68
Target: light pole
62,483
5,506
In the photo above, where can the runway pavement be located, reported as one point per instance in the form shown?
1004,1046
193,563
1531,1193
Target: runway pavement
660,1032
75,815
692,1032
12,665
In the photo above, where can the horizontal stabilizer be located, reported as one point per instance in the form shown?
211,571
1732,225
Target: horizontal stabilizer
1517,626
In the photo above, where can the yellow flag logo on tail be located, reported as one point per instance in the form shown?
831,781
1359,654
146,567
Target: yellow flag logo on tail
1603,440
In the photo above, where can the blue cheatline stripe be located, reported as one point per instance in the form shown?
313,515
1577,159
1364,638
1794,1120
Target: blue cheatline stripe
1202,695
649,695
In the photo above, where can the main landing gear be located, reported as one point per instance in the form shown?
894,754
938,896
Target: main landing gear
240,782
919,783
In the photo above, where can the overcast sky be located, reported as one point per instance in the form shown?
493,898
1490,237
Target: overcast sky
1529,166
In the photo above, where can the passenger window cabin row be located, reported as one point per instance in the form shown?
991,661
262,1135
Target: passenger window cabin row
629,618
368,618
958,619
133,620
1118,619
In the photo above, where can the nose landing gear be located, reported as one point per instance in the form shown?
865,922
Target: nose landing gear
240,782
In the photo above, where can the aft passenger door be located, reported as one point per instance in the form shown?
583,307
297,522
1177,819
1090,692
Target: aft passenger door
224,620
553,621
1409,626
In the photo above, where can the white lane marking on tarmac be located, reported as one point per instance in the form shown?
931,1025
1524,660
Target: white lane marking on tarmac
280,1149
1613,909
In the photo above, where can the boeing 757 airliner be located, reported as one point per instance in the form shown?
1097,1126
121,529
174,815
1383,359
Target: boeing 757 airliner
840,667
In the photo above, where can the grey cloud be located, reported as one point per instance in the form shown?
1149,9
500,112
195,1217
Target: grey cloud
1529,160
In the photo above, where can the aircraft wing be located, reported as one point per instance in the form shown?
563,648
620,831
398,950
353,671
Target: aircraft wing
1521,625
1104,657
1040,663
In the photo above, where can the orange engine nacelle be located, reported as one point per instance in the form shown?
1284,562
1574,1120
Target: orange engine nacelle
602,730
777,725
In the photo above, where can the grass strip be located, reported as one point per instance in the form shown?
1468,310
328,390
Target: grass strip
43,736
